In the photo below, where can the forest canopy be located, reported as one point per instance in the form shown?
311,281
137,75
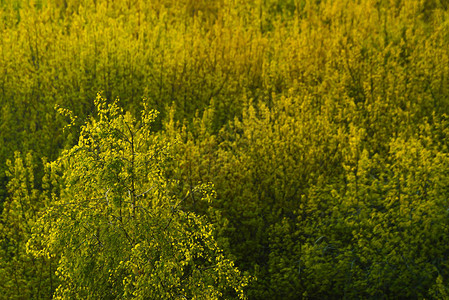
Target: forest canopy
223,149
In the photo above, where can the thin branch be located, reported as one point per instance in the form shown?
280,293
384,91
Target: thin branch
106,195
174,209
140,195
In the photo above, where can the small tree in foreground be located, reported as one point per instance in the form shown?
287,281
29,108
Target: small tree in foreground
117,226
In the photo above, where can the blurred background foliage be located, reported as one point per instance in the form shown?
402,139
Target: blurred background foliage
322,124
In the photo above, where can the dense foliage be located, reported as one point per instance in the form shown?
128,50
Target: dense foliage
117,228
323,127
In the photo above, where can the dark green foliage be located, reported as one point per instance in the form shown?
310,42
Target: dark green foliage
323,126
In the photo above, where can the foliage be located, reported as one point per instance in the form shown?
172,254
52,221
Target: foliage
322,126
23,276
117,228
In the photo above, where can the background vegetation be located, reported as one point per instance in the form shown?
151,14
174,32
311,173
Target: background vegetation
322,125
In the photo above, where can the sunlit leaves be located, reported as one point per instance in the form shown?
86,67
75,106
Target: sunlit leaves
119,229
321,124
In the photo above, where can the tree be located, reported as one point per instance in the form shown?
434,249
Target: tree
117,226
23,276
